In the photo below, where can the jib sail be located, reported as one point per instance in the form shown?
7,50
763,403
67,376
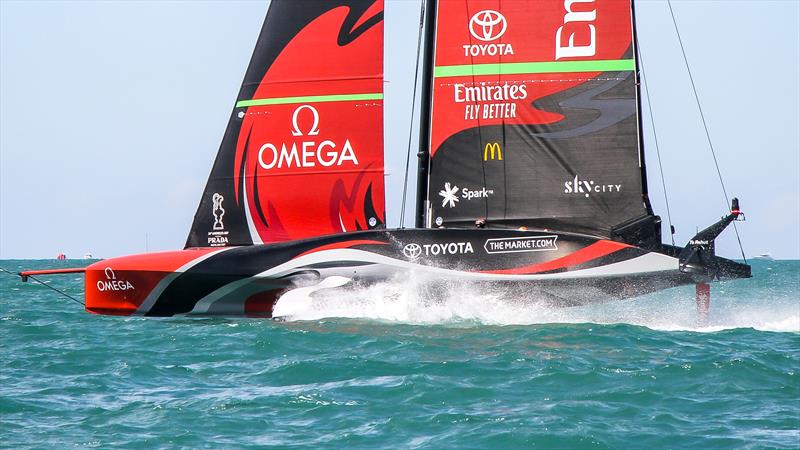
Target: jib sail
303,152
534,115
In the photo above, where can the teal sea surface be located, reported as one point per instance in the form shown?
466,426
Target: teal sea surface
383,368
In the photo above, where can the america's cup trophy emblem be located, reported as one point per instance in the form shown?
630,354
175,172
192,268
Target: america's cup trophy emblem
218,211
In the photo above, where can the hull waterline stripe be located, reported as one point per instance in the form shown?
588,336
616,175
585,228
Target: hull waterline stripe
345,244
612,65
309,99
162,285
647,263
594,251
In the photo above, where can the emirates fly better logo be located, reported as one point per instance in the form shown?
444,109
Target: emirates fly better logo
487,25
488,99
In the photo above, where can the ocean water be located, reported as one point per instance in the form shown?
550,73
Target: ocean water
382,368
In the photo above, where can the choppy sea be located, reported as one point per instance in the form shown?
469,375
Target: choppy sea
383,368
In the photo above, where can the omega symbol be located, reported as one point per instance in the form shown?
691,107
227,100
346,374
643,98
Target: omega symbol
314,126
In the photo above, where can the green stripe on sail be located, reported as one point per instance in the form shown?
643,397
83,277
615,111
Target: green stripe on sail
612,65
309,99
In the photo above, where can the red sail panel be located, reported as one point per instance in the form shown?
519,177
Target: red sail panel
530,35
527,96
314,165
303,152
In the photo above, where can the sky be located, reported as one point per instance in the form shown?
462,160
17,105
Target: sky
111,114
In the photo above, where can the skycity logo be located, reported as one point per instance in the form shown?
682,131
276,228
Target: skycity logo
307,153
578,186
111,283
487,25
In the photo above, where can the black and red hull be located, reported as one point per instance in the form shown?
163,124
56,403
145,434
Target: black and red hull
561,268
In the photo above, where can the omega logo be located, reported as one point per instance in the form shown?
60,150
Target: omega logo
315,125
306,152
111,283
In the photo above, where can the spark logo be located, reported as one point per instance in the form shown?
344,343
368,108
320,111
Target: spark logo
308,153
489,150
448,195
469,194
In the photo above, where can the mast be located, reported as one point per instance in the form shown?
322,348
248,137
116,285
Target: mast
425,113
645,194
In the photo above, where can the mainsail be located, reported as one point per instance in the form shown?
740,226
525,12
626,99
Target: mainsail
302,155
534,118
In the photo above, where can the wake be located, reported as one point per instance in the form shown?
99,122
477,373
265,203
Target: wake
411,300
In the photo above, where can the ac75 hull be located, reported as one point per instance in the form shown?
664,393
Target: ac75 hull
561,268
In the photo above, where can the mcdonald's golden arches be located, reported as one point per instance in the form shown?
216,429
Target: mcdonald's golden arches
489,151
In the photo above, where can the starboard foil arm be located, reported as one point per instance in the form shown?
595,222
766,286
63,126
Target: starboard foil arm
699,256
28,273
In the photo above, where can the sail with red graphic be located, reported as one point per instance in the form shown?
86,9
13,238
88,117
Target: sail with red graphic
302,155
534,116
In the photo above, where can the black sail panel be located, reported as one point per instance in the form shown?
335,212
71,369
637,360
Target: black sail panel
534,116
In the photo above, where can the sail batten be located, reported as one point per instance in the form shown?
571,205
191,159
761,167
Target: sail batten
309,99
522,68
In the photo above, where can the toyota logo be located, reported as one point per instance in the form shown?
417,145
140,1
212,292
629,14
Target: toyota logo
487,25
412,251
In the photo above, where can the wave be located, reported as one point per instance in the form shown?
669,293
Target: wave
411,300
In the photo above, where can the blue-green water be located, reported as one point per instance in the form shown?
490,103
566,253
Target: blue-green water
474,370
